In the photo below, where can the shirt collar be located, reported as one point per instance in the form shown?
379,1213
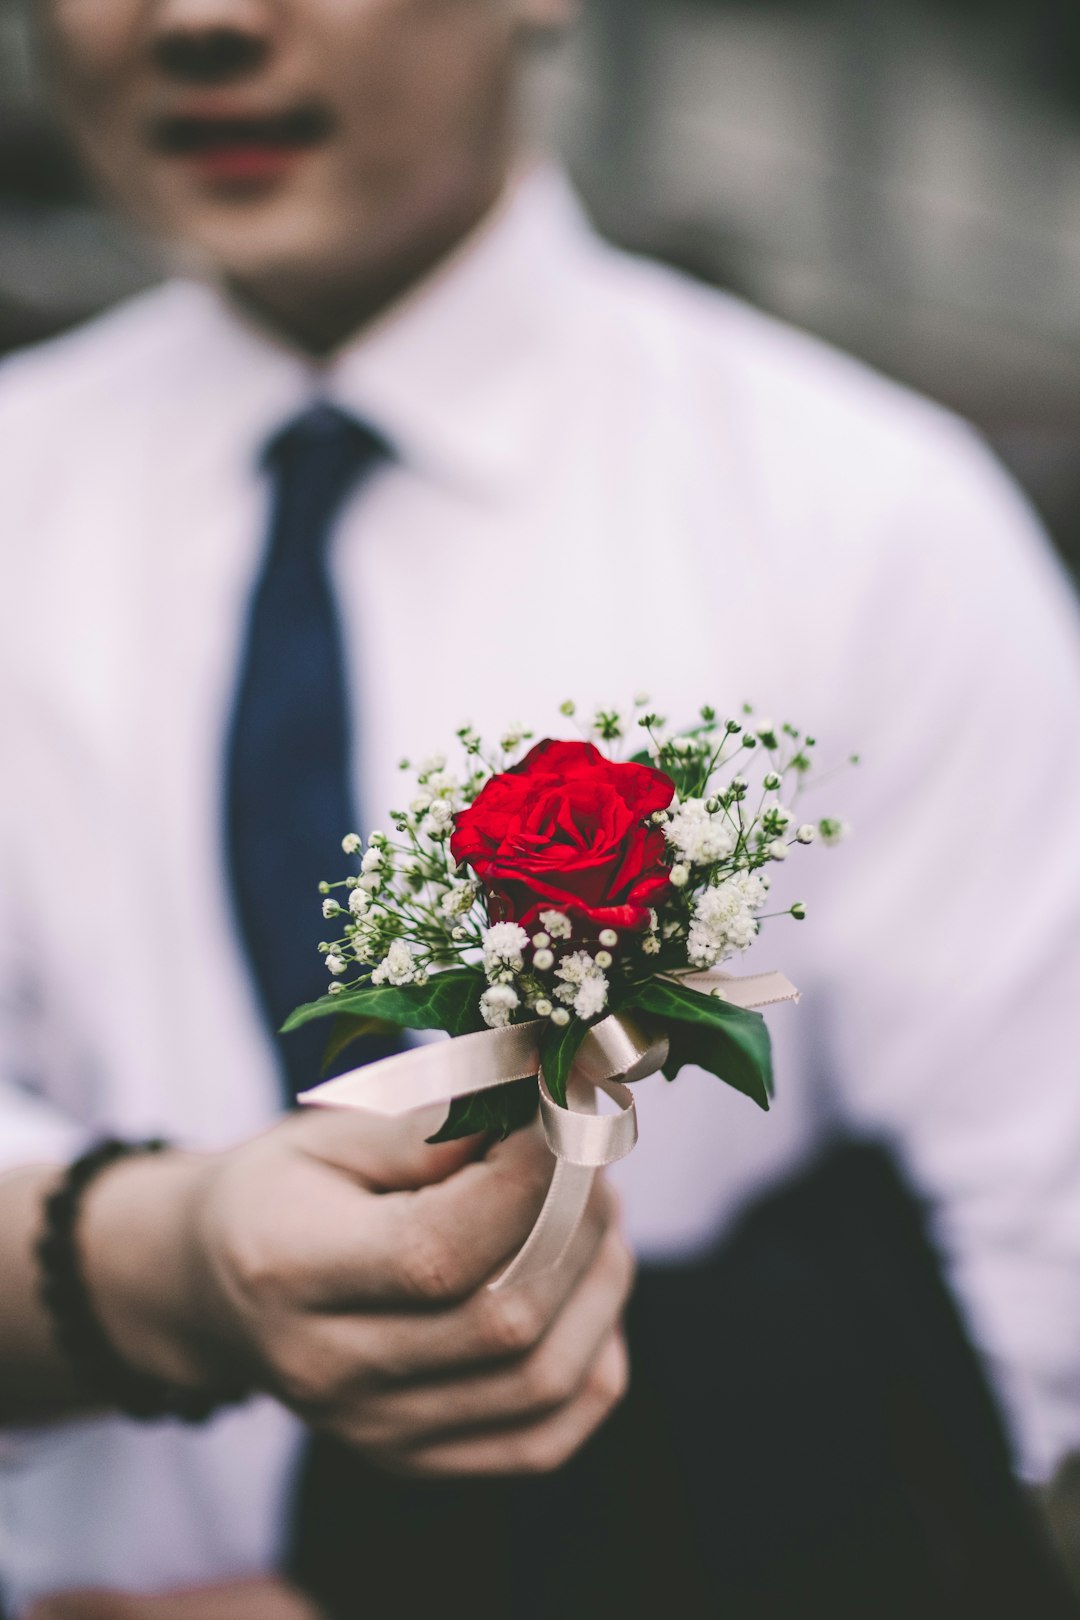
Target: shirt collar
454,374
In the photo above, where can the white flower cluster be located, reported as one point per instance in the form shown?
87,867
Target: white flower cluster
583,984
544,983
398,966
723,920
503,946
701,832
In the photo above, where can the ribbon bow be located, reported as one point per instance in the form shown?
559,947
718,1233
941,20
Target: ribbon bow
620,1049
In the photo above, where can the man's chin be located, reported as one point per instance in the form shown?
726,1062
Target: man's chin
262,242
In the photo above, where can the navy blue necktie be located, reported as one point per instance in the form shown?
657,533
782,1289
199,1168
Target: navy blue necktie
288,800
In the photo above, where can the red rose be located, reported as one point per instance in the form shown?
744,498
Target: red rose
565,830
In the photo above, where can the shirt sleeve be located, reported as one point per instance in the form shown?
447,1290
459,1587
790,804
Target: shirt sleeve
32,1056
951,921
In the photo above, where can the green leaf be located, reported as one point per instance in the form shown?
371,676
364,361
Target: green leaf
503,1109
558,1049
449,1001
729,1041
349,1028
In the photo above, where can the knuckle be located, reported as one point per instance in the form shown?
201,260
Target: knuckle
547,1382
431,1267
547,1450
302,1376
513,1324
257,1265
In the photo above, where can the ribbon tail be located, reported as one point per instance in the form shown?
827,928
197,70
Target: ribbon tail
571,1183
556,1224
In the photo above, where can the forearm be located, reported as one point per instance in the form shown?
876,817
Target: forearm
135,1247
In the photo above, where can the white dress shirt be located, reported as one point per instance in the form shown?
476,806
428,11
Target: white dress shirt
608,479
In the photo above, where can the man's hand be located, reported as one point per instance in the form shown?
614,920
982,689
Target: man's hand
347,1275
240,1600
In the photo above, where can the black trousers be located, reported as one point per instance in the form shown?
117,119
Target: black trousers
807,1434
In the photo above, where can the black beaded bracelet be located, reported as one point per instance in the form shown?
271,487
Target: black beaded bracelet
101,1371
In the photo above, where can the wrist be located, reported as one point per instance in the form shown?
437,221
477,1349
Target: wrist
139,1246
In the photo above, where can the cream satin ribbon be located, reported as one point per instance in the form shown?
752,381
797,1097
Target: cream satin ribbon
620,1049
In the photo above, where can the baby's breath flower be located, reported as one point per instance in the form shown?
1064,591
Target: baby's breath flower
428,767
359,901
650,945
798,911
584,986
723,920
806,833
541,941
496,1004
334,962
439,820
680,876
503,944
833,831
777,850
699,837
608,937
335,989
542,1008
420,805
398,966
560,1017
603,959
557,924
373,859
543,961
458,898
351,843
330,908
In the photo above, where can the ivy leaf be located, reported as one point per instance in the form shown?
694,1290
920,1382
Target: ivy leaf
503,1109
449,1000
558,1049
729,1041
349,1028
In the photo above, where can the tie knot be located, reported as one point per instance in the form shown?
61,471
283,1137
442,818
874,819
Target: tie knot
324,431
315,462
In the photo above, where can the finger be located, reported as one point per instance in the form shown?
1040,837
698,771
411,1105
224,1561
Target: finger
385,1154
487,1328
552,1374
431,1246
530,1448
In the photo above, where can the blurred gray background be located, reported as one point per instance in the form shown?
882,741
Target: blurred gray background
901,176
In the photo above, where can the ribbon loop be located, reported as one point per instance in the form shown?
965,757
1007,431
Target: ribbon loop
622,1047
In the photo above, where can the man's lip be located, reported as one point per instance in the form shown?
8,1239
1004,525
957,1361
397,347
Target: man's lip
216,139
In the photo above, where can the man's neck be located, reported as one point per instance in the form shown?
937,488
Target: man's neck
319,311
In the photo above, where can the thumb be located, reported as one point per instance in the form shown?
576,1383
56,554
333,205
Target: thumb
388,1154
